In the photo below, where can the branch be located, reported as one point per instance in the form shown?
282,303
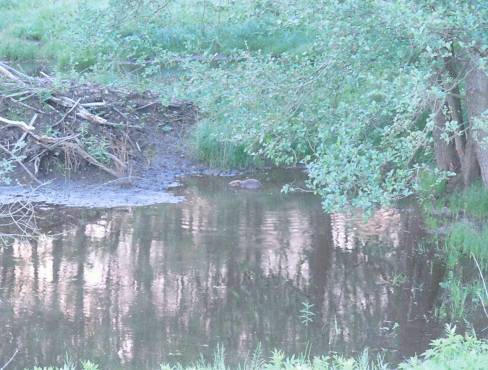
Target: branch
4,71
24,126
16,159
82,112
10,360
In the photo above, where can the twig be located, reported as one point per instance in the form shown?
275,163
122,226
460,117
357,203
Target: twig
155,12
27,106
94,104
16,159
4,71
9,361
15,72
121,113
21,93
146,106
46,75
58,142
21,139
33,120
87,157
67,113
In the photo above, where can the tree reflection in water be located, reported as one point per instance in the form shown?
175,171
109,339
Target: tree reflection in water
140,286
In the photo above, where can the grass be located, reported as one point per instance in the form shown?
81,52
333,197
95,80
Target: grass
30,29
467,239
458,222
472,202
209,145
65,35
451,352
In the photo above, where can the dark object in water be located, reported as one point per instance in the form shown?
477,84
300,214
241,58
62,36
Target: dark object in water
246,184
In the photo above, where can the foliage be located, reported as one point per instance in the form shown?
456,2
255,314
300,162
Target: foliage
6,168
344,87
452,352
353,106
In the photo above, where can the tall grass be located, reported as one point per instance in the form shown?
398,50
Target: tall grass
472,202
208,144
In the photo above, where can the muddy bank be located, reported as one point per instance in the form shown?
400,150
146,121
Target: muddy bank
93,196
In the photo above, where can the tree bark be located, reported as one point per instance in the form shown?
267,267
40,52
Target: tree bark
445,151
454,103
477,107
470,168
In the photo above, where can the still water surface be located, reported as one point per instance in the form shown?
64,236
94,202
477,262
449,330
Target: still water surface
132,288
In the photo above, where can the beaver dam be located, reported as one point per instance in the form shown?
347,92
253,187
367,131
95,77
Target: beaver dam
134,287
52,129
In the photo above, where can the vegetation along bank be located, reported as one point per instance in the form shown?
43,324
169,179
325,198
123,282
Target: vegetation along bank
380,102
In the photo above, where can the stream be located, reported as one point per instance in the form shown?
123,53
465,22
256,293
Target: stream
243,270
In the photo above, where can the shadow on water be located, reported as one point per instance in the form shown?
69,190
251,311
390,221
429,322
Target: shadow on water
141,286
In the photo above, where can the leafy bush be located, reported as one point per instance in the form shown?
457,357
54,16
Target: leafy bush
452,352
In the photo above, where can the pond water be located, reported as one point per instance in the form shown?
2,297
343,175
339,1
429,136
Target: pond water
133,288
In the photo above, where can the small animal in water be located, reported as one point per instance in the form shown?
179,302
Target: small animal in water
246,184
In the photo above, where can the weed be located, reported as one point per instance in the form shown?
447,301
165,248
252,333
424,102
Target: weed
306,313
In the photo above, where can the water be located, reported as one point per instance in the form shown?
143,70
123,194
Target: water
136,287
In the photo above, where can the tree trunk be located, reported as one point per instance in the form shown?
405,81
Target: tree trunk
470,168
477,106
445,151
454,103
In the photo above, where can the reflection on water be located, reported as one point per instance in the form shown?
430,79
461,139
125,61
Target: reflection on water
137,287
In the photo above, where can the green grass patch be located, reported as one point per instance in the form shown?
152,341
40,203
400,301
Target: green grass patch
31,30
466,240
210,143
473,202
69,35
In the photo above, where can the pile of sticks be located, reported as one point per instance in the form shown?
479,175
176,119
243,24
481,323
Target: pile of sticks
19,90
